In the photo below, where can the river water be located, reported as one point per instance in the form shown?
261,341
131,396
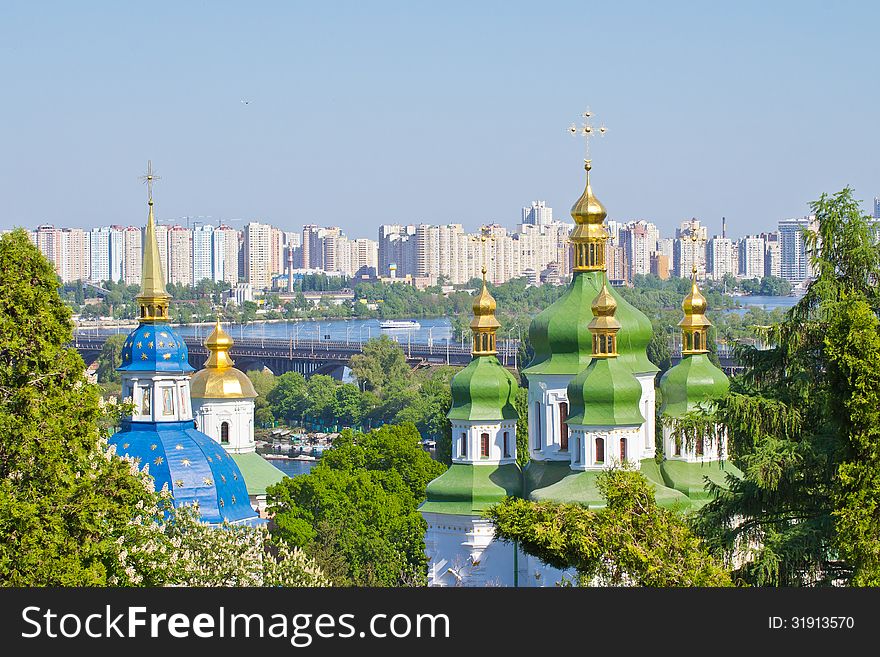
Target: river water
292,467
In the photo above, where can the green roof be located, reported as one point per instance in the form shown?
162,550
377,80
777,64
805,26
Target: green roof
258,473
690,478
540,474
468,490
484,390
563,343
693,381
580,488
607,393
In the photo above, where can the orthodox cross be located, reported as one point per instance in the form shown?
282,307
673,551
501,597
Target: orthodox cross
695,238
587,131
484,238
148,178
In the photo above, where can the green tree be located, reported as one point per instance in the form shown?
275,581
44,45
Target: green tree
802,422
381,366
110,358
522,426
631,541
62,502
356,512
287,397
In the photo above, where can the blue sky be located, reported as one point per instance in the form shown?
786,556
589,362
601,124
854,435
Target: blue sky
362,113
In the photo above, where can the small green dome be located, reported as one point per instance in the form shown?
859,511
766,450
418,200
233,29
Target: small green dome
563,343
605,394
484,390
693,381
468,490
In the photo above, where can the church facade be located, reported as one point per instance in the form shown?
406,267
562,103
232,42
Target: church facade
591,406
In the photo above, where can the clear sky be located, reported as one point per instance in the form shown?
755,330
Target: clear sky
362,113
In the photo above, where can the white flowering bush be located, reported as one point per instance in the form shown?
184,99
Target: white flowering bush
167,546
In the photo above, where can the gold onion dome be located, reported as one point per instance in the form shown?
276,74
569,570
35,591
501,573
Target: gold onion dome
219,379
694,307
484,309
588,213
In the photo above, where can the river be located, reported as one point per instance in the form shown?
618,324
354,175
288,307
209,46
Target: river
293,467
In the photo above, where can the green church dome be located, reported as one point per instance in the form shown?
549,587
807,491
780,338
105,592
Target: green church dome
563,344
484,390
613,395
693,381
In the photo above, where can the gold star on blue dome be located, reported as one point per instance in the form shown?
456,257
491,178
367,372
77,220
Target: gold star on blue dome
143,356
159,460
153,446
208,481
186,463
166,356
178,483
146,334
150,344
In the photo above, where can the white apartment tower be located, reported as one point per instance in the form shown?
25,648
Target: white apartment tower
203,252
751,256
537,214
719,258
258,255
133,248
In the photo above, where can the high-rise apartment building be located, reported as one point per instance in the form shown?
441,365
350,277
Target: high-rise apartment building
48,241
99,254
162,241
772,254
751,256
537,214
877,207
328,238
203,253
638,242
397,248
75,255
226,249
257,249
180,264
117,253
794,259
312,250
719,258
132,249
684,250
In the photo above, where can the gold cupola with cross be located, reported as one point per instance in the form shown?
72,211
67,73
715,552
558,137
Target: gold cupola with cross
694,325
589,235
484,325
219,379
153,299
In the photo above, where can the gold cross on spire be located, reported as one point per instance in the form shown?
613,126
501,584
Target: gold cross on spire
587,131
695,238
484,238
148,178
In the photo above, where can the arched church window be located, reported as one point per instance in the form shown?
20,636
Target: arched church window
600,450
623,450
506,444
484,445
563,427
462,446
699,446
224,433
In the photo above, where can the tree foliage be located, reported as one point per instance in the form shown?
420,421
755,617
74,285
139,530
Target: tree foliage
110,358
631,541
356,511
802,423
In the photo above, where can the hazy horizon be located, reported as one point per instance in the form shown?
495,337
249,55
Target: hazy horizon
359,114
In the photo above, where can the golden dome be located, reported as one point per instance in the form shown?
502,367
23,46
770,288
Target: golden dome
484,309
694,307
589,214
604,306
219,379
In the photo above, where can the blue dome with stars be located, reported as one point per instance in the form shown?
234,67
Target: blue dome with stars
193,466
155,348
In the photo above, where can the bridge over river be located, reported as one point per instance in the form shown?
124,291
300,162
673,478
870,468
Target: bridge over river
330,356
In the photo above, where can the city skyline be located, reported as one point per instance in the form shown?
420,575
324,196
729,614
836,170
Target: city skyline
446,114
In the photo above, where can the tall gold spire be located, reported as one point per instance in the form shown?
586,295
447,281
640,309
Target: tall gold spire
153,298
694,325
604,325
484,324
